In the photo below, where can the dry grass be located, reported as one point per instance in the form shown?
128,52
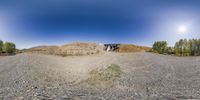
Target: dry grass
132,48
71,49
80,49
104,75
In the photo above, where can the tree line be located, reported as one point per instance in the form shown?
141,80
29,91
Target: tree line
183,47
7,47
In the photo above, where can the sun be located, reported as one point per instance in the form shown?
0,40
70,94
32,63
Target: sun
182,29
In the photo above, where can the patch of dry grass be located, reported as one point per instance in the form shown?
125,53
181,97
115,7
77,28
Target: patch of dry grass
132,48
103,75
71,49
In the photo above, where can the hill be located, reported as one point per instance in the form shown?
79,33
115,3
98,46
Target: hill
71,49
132,48
80,49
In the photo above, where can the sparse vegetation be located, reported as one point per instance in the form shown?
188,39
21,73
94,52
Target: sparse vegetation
111,72
183,47
71,49
123,48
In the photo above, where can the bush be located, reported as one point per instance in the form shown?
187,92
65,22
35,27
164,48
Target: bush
1,46
9,47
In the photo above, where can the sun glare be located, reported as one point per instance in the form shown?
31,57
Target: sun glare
182,29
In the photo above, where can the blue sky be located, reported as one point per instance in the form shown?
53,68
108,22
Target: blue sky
55,22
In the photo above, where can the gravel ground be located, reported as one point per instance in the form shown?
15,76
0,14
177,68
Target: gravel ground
145,76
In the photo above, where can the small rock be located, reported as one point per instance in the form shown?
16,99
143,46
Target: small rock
34,87
64,97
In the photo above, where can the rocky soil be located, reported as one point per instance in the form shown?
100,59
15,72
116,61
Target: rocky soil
144,76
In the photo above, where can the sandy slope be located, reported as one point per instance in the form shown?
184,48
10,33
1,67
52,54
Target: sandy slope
145,76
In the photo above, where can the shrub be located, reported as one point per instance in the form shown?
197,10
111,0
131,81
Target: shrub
1,46
9,47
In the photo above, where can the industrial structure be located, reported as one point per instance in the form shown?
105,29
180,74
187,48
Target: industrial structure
111,47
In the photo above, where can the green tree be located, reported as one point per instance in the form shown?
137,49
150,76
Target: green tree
183,47
176,49
9,47
1,46
160,47
170,50
198,47
192,46
186,48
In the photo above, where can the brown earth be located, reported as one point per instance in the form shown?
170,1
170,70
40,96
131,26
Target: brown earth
71,49
80,49
132,48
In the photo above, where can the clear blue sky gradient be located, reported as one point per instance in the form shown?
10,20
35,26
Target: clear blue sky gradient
54,22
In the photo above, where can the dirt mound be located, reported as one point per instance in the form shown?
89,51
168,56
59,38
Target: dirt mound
132,48
71,49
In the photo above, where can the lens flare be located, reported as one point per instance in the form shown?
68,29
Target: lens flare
182,29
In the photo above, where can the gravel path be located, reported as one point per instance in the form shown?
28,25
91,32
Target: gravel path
145,76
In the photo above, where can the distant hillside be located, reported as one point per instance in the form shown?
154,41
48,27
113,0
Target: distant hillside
74,49
78,49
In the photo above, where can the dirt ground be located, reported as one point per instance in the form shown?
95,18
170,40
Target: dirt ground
144,76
